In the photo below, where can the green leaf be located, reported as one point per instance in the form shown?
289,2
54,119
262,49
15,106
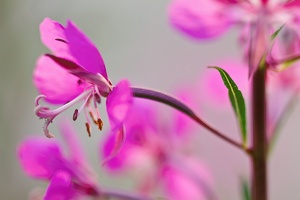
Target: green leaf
285,64
275,34
237,101
245,190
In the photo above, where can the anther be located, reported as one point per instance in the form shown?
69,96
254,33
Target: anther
88,129
97,98
100,124
75,114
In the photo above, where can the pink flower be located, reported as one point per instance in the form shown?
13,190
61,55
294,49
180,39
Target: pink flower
151,150
69,175
185,185
76,72
203,19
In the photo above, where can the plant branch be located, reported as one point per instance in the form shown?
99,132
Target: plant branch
179,105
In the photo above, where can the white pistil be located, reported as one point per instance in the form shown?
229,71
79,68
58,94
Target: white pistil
49,115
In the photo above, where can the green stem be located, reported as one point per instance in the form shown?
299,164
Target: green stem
259,149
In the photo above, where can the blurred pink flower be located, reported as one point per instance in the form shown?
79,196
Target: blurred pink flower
180,185
150,152
76,72
204,19
69,175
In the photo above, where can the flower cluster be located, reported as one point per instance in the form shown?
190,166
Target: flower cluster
157,154
69,176
75,72
140,140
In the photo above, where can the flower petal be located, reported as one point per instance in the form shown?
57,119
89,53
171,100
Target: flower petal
75,148
40,157
56,83
189,181
117,161
84,51
199,19
178,186
118,103
60,187
119,140
53,37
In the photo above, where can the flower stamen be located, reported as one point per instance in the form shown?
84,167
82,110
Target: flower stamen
47,114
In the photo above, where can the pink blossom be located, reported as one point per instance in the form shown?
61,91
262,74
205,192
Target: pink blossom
76,72
69,176
150,153
203,19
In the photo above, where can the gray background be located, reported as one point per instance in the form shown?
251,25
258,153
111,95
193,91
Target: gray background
136,42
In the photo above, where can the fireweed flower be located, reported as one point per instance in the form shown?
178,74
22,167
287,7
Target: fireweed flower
204,19
149,153
76,72
69,176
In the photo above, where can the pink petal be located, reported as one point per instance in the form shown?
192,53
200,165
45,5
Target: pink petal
116,162
74,146
178,186
293,3
57,84
84,51
52,35
199,19
40,157
119,139
60,187
258,46
118,103
139,121
195,183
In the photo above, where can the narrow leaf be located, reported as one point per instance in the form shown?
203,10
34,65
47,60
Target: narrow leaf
287,63
245,190
275,34
237,101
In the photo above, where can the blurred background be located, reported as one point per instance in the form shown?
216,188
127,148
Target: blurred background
136,42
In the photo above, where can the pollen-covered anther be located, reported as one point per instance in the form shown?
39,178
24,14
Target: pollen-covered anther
100,124
75,114
88,129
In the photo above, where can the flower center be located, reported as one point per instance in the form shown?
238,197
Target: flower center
90,97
